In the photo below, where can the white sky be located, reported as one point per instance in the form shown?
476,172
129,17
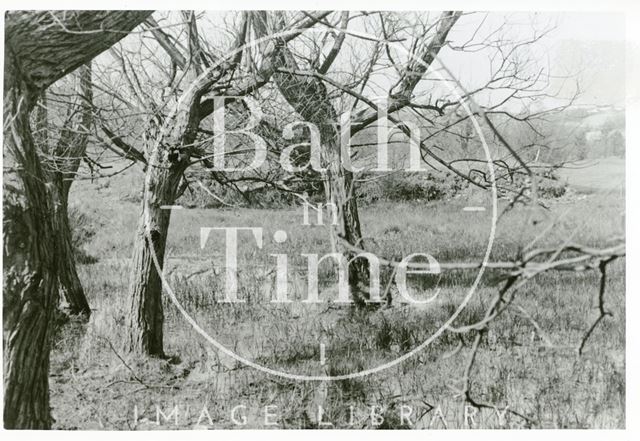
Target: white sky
590,26
588,46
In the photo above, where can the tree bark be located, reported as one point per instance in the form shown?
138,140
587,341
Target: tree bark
30,291
61,168
145,317
70,285
30,286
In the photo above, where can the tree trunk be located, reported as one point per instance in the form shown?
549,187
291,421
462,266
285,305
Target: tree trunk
339,190
69,151
145,316
338,181
70,285
30,290
169,157
61,169
30,285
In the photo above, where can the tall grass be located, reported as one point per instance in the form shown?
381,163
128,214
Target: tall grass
554,387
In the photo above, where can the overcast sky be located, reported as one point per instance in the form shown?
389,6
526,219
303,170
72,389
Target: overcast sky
594,45
582,46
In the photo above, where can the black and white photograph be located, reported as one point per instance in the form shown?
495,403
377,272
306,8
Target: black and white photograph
341,216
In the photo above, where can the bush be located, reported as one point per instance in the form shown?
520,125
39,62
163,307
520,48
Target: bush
405,186
430,186
548,184
551,189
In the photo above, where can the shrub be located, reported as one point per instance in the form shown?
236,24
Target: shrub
398,187
430,186
551,189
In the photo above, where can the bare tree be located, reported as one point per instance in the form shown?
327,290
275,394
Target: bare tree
171,143
30,255
171,152
306,92
168,157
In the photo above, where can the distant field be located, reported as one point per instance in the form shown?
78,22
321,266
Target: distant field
516,367
595,174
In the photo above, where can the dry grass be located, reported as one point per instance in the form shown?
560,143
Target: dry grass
93,388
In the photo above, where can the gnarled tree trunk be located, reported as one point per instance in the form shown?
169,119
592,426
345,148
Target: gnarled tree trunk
169,157
30,287
70,285
145,316
69,151
61,168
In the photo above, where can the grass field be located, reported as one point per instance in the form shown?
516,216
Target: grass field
595,174
528,362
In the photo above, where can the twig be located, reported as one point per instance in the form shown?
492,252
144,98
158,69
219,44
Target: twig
603,312
133,373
